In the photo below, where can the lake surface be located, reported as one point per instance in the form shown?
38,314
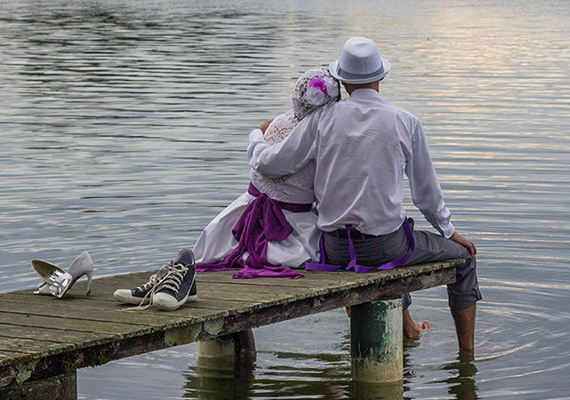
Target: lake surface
123,128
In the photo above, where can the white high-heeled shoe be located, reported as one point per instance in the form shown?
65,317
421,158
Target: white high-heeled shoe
56,281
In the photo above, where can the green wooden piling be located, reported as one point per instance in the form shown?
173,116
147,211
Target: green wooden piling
377,341
236,348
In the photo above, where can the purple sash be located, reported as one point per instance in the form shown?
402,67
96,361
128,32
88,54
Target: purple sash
260,223
360,268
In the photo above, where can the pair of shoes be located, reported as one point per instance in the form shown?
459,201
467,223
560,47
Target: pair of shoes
57,282
172,286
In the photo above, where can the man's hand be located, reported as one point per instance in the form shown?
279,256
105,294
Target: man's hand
456,237
264,126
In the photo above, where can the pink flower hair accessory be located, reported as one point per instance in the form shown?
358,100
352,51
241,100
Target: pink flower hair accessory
314,89
319,83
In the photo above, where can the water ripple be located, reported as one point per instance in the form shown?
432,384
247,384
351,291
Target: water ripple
124,126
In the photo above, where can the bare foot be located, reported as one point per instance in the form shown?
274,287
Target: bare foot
425,326
413,330
410,328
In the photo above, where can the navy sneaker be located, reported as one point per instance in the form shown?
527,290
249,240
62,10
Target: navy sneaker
139,295
178,285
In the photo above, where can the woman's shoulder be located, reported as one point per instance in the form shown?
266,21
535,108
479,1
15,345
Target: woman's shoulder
281,127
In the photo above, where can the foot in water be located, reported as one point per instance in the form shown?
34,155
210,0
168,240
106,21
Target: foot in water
410,328
413,330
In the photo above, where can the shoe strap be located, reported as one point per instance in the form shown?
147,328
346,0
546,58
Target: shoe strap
60,283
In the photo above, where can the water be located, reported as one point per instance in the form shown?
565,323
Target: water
124,126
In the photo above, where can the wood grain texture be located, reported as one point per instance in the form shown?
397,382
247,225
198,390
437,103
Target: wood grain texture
43,337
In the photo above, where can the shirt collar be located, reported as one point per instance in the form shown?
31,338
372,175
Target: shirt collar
365,94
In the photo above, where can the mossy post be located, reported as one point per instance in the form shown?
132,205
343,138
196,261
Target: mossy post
228,358
235,348
377,341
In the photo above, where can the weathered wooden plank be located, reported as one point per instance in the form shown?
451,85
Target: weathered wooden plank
112,314
103,288
213,303
40,321
207,290
30,346
262,287
48,334
345,282
6,355
310,278
326,279
47,364
82,308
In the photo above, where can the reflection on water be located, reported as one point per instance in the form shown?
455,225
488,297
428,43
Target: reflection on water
220,378
384,391
461,382
124,126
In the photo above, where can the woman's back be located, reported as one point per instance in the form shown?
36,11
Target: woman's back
294,188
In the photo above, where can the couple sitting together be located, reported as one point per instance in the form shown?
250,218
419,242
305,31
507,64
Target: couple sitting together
326,192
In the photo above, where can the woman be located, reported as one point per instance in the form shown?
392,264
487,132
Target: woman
272,227
265,232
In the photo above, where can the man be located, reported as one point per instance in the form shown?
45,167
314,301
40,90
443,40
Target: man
362,146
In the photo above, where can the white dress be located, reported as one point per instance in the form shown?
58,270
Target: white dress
216,240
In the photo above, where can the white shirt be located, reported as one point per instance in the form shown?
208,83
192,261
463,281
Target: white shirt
361,146
294,188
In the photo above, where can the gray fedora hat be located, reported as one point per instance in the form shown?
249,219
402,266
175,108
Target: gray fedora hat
359,62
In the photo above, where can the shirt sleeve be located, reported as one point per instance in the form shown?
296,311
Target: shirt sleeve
424,185
286,157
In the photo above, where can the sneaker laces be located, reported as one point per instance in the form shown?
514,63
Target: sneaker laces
151,283
174,277
171,279
154,281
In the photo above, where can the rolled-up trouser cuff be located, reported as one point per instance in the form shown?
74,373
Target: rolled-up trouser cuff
406,301
462,301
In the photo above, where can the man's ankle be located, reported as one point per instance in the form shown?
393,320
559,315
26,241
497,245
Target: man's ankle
465,328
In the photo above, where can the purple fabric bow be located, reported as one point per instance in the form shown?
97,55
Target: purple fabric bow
261,222
321,266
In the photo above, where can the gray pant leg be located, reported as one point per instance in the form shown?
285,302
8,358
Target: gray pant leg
431,247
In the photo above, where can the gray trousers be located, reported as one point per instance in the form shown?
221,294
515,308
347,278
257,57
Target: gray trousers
430,247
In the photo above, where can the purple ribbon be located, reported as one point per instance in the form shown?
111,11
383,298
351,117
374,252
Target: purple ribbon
261,222
352,250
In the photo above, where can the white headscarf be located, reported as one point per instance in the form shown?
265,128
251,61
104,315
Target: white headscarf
314,89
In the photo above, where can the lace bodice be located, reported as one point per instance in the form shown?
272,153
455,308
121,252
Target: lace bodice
294,188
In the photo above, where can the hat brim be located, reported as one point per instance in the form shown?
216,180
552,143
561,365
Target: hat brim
333,69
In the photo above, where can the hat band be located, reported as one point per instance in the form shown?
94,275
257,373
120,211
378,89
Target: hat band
349,75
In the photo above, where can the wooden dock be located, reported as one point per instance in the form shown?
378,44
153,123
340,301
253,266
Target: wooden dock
43,339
